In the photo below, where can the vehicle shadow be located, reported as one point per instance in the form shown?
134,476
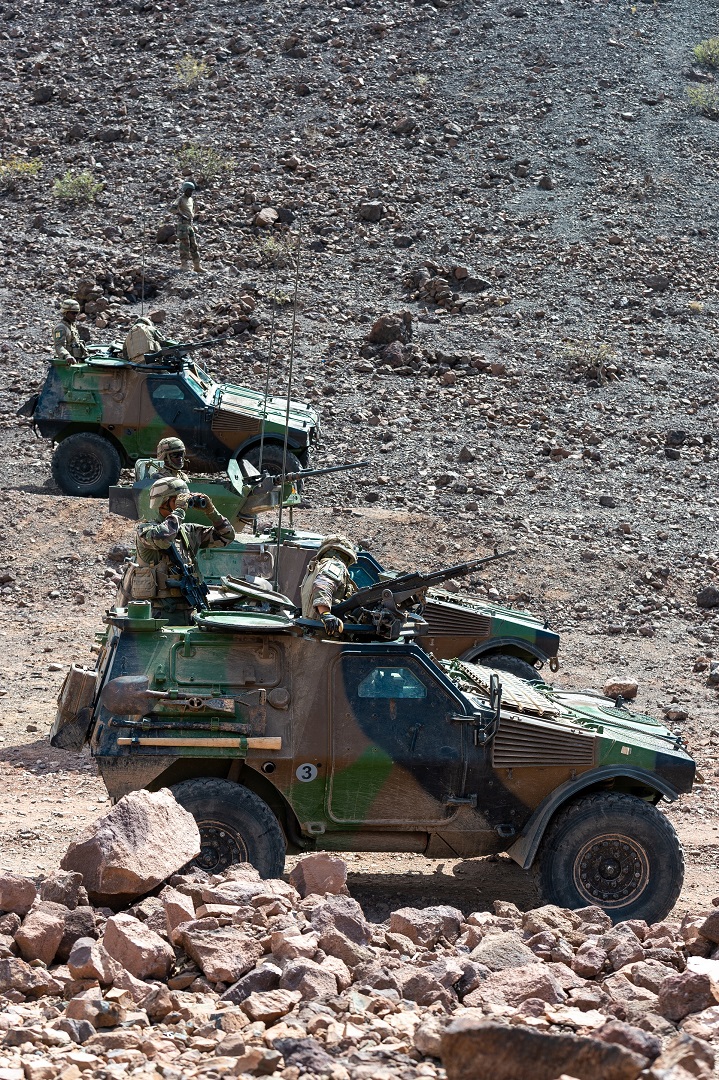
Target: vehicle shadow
39,756
470,885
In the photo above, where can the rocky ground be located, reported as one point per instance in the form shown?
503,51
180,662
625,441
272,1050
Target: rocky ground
529,183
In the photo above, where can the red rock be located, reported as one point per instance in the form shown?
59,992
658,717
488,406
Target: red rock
319,873
515,985
41,932
271,1005
685,993
222,954
64,887
16,893
138,949
91,1006
179,908
16,974
336,944
709,929
146,837
90,959
426,926
473,1048
312,980
344,914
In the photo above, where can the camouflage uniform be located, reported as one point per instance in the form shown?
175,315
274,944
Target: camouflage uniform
69,346
154,576
327,582
158,469
141,339
184,207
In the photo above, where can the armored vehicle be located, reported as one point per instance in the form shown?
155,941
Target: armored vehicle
106,412
279,740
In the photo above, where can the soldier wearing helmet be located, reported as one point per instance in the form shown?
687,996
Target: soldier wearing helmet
328,582
153,576
184,207
69,346
142,338
171,452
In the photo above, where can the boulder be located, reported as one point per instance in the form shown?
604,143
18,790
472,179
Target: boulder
290,944
145,837
41,932
89,959
263,978
684,1052
426,926
92,1007
266,218
166,234
626,688
517,984
222,954
64,887
344,914
473,1048
499,951
137,948
179,908
371,210
389,328
17,893
270,1005
16,974
312,980
319,873
79,923
349,952
709,929
685,993
634,1038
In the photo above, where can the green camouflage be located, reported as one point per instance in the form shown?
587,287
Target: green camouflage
69,346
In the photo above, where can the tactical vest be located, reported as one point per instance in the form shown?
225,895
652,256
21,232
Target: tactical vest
337,572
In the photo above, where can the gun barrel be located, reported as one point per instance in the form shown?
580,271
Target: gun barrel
301,473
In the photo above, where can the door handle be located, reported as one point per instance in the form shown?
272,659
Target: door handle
460,800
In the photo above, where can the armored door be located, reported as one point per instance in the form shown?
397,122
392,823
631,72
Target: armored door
397,754
170,407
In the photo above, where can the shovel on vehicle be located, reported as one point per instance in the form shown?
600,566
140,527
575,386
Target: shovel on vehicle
128,695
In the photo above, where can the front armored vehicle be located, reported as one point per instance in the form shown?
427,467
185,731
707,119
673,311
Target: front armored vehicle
279,739
105,413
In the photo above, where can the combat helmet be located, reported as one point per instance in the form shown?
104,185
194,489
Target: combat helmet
169,446
164,488
337,542
69,305
187,187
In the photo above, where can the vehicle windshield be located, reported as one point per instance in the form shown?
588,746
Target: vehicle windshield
202,383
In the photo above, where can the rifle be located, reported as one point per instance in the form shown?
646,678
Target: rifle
184,347
404,586
190,583
268,482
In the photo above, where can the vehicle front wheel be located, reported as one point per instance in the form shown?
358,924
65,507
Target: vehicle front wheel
235,826
85,464
513,665
272,459
615,851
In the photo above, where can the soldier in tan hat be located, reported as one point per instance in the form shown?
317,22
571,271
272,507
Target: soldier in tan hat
69,346
154,576
328,582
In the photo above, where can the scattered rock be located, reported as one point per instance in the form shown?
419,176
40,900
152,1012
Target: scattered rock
319,873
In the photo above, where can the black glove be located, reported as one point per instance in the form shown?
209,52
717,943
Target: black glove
332,624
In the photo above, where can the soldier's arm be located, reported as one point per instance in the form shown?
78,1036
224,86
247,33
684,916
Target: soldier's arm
219,534
60,341
159,535
323,592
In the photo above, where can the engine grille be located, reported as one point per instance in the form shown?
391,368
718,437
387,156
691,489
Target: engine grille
445,620
528,742
229,419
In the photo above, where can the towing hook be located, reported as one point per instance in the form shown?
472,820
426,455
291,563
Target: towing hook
554,663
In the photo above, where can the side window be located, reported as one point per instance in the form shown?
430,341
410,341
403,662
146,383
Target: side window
391,682
168,392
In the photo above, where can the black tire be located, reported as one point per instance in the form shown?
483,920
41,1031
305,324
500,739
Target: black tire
235,825
272,459
615,851
513,665
86,464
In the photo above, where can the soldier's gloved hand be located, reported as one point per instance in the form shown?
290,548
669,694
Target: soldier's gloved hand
182,500
209,507
333,626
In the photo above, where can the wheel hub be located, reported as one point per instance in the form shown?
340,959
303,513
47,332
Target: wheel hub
219,849
611,871
85,468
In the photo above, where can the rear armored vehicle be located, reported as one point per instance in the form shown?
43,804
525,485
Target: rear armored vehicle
279,739
105,413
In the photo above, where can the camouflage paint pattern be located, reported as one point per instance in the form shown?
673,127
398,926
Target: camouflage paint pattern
134,409
381,747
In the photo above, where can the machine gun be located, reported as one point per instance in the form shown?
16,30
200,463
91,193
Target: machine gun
381,603
267,482
174,352
190,583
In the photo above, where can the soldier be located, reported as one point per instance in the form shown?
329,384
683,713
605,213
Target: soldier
155,576
69,346
184,207
142,338
171,452
328,582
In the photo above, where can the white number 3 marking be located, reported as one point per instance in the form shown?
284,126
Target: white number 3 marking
305,773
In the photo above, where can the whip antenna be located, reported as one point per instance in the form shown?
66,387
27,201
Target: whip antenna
270,353
142,272
289,398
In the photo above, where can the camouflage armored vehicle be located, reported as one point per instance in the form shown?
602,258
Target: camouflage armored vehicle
279,740
106,413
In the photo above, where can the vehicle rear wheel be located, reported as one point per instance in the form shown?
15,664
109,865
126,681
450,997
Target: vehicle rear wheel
615,851
235,826
272,459
86,464
513,665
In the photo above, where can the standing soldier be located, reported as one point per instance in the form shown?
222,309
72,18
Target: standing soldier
328,582
184,207
69,346
155,575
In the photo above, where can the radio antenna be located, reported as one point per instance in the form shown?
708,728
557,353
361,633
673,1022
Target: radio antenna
293,337
142,248
270,353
